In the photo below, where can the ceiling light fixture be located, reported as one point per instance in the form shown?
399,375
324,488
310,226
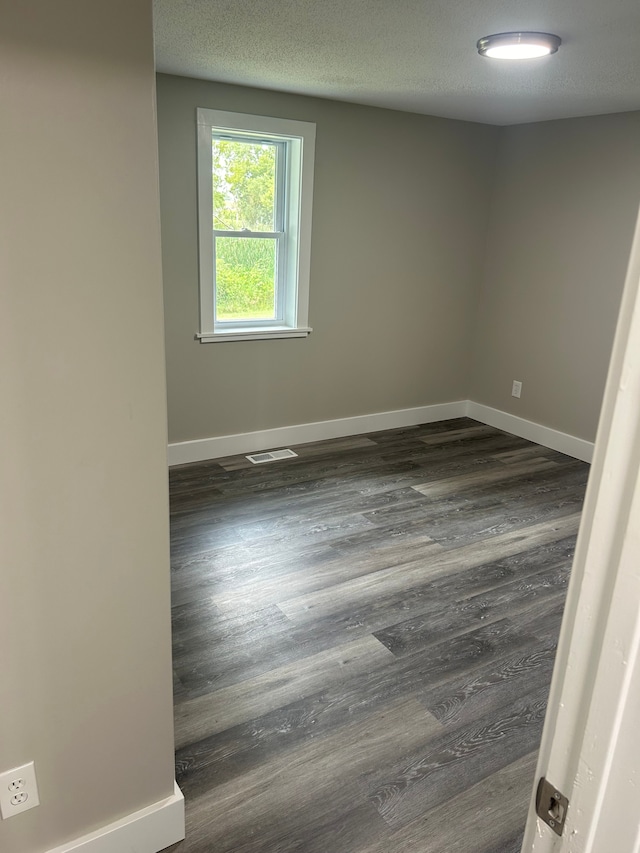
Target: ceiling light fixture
518,45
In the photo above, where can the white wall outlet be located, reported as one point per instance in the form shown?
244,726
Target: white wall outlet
516,388
18,790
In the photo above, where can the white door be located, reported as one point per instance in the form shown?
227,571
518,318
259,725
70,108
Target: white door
590,747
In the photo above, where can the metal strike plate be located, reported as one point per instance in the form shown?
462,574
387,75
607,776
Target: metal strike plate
551,806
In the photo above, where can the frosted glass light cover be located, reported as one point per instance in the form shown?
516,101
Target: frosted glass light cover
518,45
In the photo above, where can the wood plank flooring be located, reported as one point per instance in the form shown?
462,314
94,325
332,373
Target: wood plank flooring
364,638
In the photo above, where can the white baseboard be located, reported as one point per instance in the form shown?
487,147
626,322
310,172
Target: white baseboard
148,830
270,439
553,438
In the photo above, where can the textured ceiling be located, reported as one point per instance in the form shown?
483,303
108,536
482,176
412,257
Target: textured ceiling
409,55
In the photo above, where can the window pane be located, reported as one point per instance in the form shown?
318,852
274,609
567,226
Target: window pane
244,183
245,278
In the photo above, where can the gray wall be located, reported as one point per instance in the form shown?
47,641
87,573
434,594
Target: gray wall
481,256
561,223
85,683
398,237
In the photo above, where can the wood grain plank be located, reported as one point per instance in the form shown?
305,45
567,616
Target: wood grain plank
488,817
221,709
447,668
387,581
317,775
435,599
451,435
325,576
298,731
454,761
455,485
521,453
420,631
484,689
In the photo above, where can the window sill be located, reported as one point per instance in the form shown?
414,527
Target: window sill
266,334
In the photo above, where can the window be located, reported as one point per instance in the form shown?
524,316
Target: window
255,184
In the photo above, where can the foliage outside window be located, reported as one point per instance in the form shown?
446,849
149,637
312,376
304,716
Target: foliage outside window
255,177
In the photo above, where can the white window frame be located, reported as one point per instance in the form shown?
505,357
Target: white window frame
294,190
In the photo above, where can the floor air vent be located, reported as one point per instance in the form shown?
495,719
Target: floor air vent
270,456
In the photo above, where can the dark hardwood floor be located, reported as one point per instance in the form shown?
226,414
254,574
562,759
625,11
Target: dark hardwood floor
364,638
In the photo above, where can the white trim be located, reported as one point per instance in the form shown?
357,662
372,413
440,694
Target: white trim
148,830
254,124
249,235
200,449
248,442
256,334
205,227
553,438
589,745
297,139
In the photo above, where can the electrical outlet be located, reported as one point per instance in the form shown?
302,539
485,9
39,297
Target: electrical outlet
18,790
516,388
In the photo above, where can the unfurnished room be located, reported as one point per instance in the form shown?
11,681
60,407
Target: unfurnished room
322,402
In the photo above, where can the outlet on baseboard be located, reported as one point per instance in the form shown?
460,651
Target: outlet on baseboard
18,790
516,388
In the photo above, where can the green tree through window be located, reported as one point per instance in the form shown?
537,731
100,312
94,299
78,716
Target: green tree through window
244,199
255,193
